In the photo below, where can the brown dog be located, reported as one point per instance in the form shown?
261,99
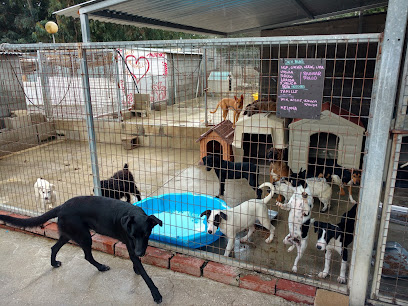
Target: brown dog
257,107
227,103
278,167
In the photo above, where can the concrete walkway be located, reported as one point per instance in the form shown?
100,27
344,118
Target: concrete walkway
27,278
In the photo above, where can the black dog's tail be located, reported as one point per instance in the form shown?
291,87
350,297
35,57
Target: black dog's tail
125,167
31,222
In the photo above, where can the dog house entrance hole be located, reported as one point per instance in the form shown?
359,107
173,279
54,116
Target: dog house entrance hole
214,147
256,147
323,145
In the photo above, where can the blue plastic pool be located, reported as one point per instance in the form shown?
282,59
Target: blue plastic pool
180,213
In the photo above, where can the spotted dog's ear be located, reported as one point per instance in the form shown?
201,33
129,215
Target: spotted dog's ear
223,215
206,213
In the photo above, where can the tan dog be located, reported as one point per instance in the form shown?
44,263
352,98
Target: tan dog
227,103
278,167
258,107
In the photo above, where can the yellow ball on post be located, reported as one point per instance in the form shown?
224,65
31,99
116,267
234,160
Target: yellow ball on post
51,27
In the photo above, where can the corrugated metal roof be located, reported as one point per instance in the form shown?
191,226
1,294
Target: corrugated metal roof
218,17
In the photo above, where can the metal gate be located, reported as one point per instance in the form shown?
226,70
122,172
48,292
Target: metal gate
390,277
94,107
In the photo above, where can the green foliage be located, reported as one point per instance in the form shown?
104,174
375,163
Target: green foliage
23,21
18,19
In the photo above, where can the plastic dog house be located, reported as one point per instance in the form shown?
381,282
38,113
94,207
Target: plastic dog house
334,120
273,129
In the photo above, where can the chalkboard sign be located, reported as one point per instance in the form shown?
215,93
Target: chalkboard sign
300,88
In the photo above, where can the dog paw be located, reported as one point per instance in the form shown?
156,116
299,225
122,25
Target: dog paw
290,249
269,239
56,264
157,298
341,279
103,268
294,269
322,275
136,271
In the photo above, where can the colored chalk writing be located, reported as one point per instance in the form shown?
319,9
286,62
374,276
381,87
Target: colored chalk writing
300,87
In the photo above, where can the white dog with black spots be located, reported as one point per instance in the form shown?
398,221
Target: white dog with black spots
300,207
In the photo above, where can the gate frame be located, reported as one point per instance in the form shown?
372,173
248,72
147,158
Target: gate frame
394,157
384,90
381,108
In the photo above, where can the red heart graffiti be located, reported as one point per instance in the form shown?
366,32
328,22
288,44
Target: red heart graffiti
135,65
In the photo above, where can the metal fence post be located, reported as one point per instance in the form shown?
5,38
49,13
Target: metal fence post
205,87
382,105
86,37
45,85
115,61
89,120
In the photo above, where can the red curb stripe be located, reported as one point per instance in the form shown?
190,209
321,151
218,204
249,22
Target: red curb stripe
187,264
222,273
256,283
288,285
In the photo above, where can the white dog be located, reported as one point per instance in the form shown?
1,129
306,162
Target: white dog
299,206
45,194
318,188
234,220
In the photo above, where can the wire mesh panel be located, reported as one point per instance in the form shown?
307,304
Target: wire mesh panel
189,130
391,257
391,266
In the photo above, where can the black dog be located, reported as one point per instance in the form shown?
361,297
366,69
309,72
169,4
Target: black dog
336,237
229,170
125,222
121,184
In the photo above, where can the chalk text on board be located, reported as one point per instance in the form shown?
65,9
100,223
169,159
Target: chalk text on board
300,87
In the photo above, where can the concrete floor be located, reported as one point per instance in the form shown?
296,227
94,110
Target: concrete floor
27,278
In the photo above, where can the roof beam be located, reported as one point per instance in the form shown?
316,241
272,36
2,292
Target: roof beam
153,22
99,6
300,5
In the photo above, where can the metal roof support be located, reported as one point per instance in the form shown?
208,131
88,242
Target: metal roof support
300,5
86,33
382,105
114,15
99,6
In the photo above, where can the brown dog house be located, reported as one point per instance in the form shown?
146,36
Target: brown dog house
218,140
338,135
255,135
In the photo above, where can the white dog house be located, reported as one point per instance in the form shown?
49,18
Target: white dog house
256,134
341,131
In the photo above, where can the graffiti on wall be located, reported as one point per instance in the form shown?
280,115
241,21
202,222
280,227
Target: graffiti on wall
146,73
